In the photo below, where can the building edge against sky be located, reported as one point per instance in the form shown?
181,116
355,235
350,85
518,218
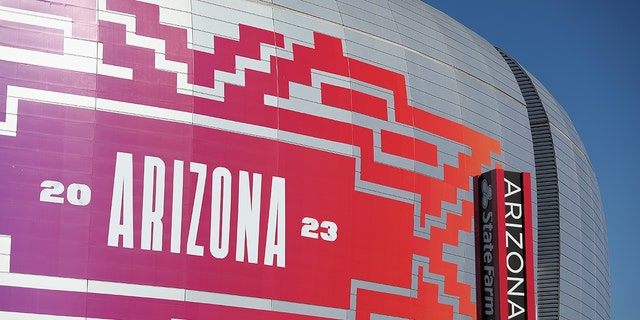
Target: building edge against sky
432,84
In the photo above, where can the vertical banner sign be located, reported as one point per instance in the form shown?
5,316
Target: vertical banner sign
504,246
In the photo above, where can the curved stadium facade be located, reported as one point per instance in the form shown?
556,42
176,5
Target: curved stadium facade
276,159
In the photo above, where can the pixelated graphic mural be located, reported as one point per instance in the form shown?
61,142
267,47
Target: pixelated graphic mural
148,177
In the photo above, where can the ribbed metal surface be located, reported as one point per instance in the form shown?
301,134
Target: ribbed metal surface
548,198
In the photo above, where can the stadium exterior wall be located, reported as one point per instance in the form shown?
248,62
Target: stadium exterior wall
279,159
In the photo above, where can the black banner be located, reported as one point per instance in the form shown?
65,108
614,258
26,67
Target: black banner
515,244
504,245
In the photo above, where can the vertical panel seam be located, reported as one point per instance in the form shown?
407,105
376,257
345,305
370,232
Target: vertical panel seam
548,272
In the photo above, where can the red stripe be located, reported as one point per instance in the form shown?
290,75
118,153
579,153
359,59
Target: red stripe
528,250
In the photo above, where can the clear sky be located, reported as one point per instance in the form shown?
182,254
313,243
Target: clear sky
587,54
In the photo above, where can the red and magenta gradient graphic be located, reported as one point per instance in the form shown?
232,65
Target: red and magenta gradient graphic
71,122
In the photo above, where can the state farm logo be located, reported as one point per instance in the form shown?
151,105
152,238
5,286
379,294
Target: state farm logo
487,194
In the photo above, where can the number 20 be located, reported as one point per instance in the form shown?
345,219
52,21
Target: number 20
77,194
310,229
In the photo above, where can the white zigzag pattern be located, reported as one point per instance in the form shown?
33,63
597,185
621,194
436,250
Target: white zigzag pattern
181,69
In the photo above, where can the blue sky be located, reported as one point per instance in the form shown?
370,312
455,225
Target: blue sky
587,54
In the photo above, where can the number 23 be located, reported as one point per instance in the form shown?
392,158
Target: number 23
310,229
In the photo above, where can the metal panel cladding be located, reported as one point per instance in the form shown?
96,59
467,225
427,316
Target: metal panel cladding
246,159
